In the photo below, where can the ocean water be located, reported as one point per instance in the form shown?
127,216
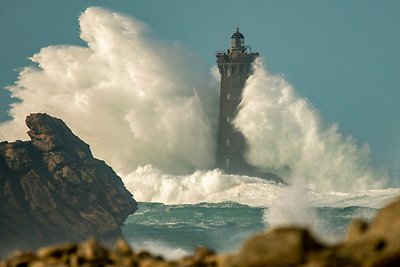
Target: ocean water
176,230
221,211
160,105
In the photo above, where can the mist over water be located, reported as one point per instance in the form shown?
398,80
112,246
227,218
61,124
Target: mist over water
150,108
286,135
135,99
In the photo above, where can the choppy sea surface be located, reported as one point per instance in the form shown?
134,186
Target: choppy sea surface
174,230
160,105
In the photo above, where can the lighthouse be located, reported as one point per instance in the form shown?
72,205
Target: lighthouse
235,66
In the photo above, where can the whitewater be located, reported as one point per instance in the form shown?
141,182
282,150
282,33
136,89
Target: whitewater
149,108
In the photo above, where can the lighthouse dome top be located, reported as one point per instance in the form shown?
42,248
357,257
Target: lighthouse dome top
237,34
237,41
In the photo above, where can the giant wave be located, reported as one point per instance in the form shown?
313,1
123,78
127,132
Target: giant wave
151,113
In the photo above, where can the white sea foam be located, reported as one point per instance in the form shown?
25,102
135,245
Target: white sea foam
292,207
149,109
135,99
160,249
374,198
150,185
286,135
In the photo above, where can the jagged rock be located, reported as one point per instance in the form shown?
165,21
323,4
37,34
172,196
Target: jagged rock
52,189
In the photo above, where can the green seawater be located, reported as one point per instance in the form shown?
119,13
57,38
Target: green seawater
176,230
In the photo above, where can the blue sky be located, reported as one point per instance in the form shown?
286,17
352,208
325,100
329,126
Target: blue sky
344,56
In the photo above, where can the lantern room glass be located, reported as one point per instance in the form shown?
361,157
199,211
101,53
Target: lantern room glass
237,42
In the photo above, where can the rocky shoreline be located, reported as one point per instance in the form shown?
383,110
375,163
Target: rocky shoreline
53,190
375,244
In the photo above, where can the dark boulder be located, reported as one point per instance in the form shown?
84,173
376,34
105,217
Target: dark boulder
52,189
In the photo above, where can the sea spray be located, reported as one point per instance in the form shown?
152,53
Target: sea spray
148,184
220,226
161,248
135,99
150,112
286,135
293,208
138,100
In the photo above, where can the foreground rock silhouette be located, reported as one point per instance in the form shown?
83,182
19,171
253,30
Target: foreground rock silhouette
53,190
375,244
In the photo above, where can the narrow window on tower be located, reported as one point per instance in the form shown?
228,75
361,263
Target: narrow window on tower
228,119
228,72
227,163
228,96
227,142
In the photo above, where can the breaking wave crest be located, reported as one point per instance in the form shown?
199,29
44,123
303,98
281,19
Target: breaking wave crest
148,184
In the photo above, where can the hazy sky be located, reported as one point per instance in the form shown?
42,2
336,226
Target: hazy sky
344,56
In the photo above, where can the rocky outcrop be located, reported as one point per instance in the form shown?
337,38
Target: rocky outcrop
375,244
52,189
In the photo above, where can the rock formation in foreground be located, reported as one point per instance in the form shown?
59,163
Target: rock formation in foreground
53,190
375,244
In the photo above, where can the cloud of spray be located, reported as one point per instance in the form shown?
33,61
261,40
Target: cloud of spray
129,95
287,136
137,101
293,208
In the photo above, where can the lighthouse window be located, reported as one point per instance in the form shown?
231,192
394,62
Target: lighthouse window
228,119
241,42
227,163
228,72
228,96
233,42
227,142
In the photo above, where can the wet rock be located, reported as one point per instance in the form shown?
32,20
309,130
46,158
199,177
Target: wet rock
203,252
122,247
91,251
357,229
19,259
379,243
56,251
53,190
288,246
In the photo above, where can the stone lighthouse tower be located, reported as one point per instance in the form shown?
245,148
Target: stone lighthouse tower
235,67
